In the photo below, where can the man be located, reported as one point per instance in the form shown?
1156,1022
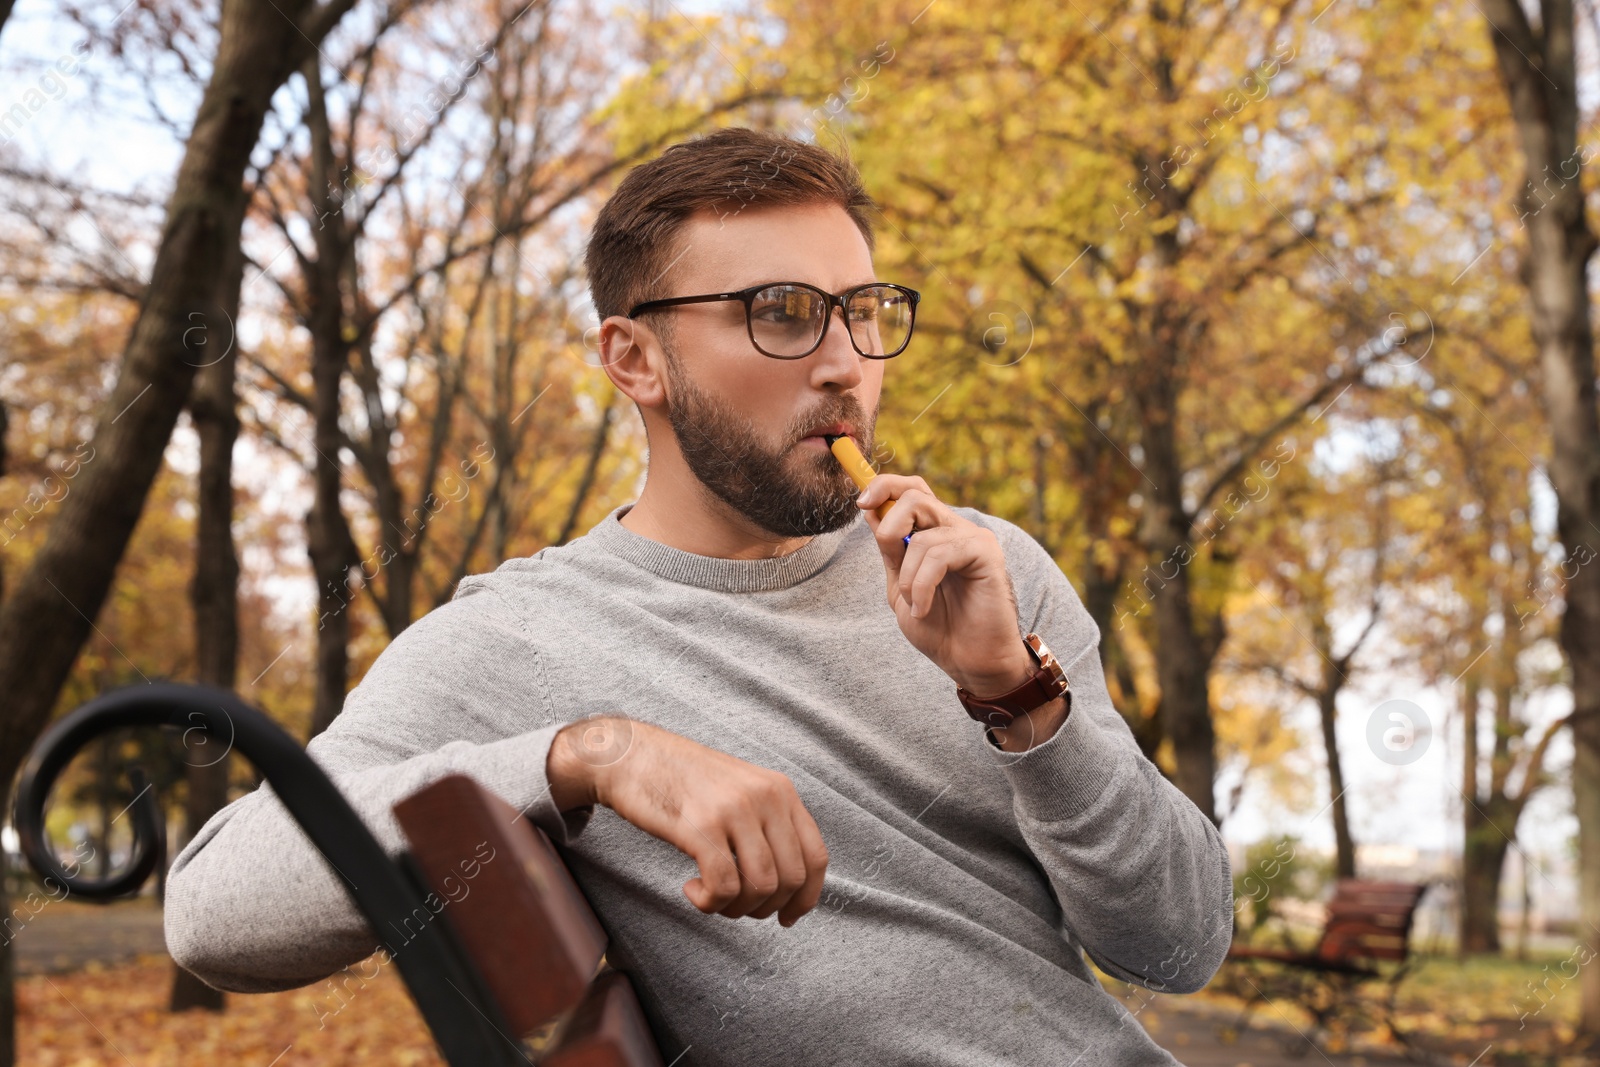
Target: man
737,698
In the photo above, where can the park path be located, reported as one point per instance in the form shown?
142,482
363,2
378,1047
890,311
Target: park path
66,935
1188,1028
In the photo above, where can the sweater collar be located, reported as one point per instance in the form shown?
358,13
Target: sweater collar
713,572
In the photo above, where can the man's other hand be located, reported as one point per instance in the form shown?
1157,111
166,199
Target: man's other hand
758,849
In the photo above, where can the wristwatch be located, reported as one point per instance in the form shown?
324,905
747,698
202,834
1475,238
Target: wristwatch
1047,682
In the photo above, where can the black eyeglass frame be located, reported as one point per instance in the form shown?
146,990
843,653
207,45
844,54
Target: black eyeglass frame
747,297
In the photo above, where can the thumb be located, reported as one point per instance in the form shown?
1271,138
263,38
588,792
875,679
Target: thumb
891,557
698,894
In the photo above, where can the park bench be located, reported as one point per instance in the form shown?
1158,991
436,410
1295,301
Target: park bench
1366,937
496,943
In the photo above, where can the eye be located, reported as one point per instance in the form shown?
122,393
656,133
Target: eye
784,306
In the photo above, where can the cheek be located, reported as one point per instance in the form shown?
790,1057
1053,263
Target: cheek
872,382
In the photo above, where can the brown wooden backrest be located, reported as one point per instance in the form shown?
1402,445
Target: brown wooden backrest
504,892
1369,920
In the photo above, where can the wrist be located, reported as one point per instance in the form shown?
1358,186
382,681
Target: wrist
571,778
1031,729
994,682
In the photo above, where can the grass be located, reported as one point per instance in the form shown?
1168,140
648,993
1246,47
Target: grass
1515,1013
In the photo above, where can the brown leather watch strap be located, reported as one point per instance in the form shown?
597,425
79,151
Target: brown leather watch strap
1047,682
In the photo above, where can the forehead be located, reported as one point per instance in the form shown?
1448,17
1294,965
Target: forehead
725,248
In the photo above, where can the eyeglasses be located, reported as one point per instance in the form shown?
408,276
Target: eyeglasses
788,320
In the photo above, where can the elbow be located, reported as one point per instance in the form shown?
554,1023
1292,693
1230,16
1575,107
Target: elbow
215,946
1196,960
197,942
1214,949
1201,968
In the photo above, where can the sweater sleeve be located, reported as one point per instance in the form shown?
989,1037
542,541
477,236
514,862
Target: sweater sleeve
253,907
1142,875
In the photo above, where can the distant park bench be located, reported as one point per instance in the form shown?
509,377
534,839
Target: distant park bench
497,945
1367,928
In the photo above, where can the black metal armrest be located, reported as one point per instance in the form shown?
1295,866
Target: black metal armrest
466,1024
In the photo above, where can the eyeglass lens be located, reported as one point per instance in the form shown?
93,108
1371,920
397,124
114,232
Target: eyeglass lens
786,320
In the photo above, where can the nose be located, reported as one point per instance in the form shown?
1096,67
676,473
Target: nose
836,364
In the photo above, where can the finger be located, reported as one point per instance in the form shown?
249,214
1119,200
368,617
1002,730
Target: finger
890,534
911,561
718,881
888,487
789,861
916,562
951,550
912,509
925,586
884,494
816,859
758,872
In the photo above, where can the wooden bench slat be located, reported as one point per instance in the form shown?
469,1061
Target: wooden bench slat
507,896
607,1030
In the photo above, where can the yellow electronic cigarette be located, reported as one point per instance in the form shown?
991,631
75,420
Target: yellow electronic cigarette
855,464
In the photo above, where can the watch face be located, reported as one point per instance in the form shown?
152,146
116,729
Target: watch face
1047,659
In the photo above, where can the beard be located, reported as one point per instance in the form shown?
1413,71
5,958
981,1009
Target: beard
791,491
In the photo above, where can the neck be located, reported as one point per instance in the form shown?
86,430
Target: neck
676,510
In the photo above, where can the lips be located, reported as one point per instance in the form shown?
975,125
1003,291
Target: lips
836,429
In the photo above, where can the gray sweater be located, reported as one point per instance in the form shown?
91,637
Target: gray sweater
964,883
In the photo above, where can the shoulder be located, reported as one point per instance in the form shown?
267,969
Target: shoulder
1026,558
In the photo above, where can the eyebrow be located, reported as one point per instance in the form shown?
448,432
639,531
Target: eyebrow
782,281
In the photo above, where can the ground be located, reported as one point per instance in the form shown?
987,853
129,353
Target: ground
93,984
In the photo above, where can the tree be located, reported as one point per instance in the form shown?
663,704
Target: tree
1331,563
1199,273
259,45
49,612
1493,577
1538,68
214,590
439,310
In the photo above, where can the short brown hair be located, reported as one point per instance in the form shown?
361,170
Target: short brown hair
632,244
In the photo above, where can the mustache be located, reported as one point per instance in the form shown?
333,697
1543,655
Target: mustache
849,411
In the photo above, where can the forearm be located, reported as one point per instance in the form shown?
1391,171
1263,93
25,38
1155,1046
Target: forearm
1142,875
252,906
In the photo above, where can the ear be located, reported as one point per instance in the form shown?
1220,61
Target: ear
634,360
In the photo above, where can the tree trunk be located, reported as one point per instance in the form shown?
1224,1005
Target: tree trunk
48,615
1483,860
5,426
1525,916
1185,704
8,963
1539,71
329,543
105,782
8,974
1483,845
1182,665
591,467
1343,843
214,591
331,547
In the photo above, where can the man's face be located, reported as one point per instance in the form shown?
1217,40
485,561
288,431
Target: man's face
743,421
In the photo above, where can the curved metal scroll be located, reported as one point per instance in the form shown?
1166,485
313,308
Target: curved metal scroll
466,1024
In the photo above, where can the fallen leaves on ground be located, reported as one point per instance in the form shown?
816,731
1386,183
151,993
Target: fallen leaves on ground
118,1016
